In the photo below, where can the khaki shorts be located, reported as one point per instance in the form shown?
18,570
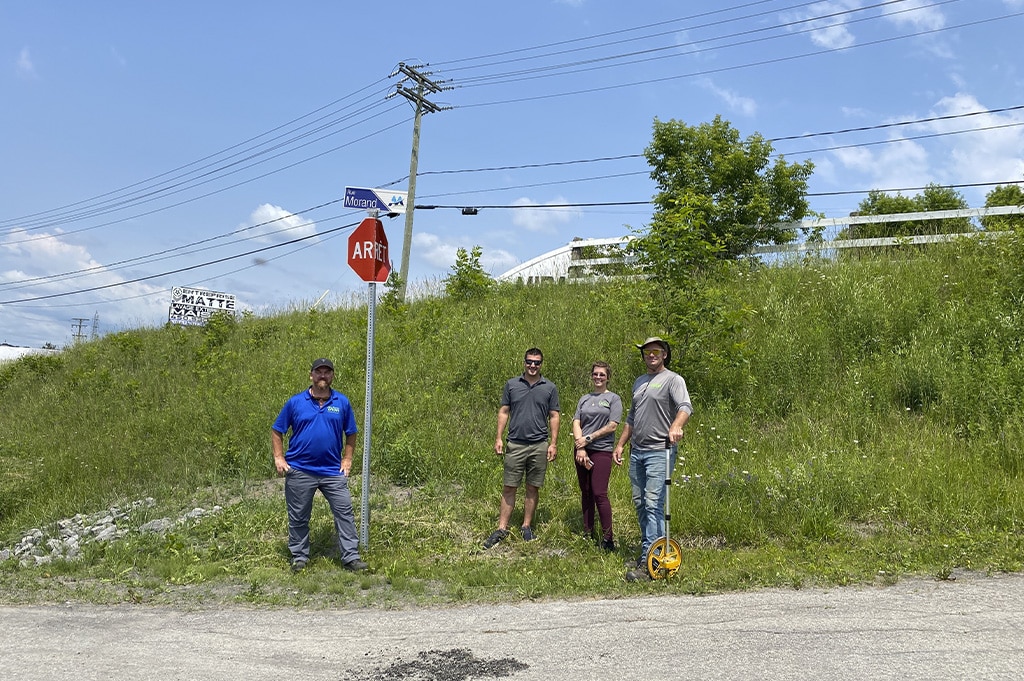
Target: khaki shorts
525,459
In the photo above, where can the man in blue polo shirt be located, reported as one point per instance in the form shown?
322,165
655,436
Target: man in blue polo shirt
528,403
319,457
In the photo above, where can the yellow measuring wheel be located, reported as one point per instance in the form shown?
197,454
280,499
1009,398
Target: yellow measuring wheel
664,557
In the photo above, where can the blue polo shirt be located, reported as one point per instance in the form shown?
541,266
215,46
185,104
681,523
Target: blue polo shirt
318,433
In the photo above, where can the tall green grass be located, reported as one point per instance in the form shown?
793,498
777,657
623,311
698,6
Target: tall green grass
853,418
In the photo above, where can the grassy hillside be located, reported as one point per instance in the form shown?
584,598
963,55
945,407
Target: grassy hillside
854,421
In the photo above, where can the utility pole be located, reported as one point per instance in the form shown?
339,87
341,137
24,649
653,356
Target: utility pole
422,86
77,324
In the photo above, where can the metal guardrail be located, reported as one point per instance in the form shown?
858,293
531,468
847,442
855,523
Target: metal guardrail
558,264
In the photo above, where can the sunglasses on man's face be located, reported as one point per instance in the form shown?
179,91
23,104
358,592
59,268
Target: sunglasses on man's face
533,362
653,352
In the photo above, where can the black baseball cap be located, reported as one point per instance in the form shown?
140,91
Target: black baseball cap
322,362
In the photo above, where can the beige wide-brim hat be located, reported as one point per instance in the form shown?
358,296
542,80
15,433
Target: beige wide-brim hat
660,341
654,339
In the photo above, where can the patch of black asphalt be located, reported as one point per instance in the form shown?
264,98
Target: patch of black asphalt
456,664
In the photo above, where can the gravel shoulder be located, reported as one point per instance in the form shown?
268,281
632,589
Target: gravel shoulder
967,627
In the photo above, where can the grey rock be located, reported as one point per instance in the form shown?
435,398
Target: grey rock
157,526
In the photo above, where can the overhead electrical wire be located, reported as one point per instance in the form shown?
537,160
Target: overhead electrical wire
202,163
724,10
686,48
179,270
217,191
152,257
571,41
764,62
194,184
554,163
175,251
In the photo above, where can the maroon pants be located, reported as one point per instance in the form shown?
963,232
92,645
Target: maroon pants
594,491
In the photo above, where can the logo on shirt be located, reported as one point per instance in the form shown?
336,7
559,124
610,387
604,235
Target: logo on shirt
334,410
604,403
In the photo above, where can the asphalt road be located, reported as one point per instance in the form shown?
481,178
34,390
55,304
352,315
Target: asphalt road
972,627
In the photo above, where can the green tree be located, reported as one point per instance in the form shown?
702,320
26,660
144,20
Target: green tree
392,301
934,197
719,195
467,279
1004,195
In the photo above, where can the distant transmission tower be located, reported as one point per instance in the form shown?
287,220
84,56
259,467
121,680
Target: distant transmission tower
77,326
95,326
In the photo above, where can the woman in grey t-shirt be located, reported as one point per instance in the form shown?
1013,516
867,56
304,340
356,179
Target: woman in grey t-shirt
598,414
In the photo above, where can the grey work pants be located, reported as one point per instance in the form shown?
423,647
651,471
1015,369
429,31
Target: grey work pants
299,488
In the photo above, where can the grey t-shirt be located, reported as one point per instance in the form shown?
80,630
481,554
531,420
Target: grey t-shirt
594,411
529,408
657,399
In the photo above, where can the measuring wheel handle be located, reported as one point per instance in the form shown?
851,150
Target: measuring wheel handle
664,556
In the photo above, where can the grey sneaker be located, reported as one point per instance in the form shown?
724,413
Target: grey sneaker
298,565
527,533
356,566
638,574
496,538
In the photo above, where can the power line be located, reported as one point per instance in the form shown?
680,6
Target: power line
678,50
121,204
176,173
155,256
809,135
152,257
217,191
707,72
554,163
193,183
559,206
175,271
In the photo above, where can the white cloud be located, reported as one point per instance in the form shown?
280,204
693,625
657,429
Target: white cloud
992,155
441,254
989,154
916,14
433,250
902,163
830,32
744,106
533,217
273,224
30,267
495,261
834,33
1014,4
26,68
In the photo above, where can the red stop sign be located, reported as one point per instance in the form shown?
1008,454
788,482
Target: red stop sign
368,251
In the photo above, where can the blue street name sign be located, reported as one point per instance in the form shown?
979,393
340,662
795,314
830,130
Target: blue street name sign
383,200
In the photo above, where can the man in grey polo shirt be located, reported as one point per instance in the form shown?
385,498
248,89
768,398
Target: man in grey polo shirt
659,410
529,407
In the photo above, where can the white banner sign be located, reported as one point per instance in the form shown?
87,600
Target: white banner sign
193,306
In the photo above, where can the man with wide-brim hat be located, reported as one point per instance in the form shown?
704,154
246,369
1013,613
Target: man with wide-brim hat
660,409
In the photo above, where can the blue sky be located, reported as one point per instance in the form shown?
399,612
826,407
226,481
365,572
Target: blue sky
152,145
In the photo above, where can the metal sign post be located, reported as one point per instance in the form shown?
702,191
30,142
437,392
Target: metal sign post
368,257
371,309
